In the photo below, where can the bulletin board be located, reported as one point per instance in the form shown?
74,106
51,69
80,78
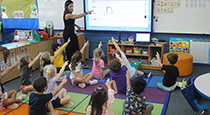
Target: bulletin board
181,16
52,10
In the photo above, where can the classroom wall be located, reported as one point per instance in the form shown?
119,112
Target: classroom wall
95,37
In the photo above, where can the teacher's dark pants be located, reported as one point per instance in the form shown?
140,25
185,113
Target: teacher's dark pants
72,47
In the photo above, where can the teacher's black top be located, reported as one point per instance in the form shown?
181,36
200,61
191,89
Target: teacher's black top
69,28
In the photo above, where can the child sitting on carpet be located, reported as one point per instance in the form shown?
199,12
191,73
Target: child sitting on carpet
45,59
100,102
135,103
8,99
171,72
26,73
59,60
132,70
38,102
98,64
118,74
75,66
62,98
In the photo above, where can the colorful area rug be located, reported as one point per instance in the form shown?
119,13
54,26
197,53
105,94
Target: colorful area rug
80,98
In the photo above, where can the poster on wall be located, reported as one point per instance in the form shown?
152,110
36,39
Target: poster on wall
179,45
4,66
200,50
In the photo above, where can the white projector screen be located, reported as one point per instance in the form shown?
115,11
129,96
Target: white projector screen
119,15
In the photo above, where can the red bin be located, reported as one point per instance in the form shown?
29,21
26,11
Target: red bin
45,35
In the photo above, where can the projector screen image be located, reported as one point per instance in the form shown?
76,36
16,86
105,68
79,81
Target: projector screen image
119,15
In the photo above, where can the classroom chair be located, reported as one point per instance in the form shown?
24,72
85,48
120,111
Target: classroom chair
195,100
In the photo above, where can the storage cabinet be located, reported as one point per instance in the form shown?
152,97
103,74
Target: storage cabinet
143,53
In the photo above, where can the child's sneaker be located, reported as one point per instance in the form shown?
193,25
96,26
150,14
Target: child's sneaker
93,82
13,106
21,97
68,105
82,85
148,75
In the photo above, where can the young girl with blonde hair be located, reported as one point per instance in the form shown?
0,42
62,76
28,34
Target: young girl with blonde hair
76,76
62,98
98,63
45,59
26,73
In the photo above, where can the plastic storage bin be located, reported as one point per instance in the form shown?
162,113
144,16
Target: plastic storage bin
38,37
135,64
45,35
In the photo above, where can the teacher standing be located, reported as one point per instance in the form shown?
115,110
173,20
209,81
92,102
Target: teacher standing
69,23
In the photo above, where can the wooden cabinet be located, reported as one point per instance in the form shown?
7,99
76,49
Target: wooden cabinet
149,51
31,50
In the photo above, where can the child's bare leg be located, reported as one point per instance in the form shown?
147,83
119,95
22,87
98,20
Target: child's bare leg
50,106
11,98
158,83
81,80
62,93
107,71
140,72
51,109
64,97
29,89
88,76
12,94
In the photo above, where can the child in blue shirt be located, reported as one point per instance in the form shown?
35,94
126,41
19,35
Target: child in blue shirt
38,102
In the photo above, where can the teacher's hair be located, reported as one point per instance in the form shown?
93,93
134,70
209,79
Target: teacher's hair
66,6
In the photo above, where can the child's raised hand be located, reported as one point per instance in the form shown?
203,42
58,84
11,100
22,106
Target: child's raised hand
86,43
59,49
113,40
69,40
66,63
108,83
16,63
157,55
64,80
117,56
99,45
40,53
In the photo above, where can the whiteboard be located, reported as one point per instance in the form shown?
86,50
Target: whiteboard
194,19
52,10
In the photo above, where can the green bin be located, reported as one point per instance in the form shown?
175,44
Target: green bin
38,37
135,64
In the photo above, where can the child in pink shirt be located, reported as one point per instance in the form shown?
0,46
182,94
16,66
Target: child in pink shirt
100,100
98,64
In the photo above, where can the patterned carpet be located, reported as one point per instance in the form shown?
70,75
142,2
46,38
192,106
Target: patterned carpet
80,98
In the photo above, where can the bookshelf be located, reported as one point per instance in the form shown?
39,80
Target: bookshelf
150,52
